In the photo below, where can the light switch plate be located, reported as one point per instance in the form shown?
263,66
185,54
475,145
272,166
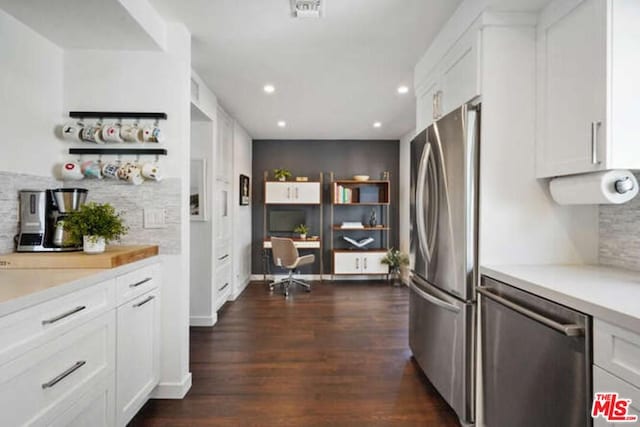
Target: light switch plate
154,218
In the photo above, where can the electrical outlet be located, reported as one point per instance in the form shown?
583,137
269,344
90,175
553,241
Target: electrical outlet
154,218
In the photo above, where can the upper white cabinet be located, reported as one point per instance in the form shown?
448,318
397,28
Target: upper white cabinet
587,89
307,193
454,81
224,147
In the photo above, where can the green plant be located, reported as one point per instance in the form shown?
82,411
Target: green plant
301,229
395,259
281,173
94,219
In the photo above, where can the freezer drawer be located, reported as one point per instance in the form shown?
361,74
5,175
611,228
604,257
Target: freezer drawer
441,336
536,364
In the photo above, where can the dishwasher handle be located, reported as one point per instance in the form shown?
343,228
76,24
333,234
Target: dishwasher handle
570,330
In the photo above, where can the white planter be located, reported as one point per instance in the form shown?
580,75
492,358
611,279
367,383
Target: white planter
303,236
93,244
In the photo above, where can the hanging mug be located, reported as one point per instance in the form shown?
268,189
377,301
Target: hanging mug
92,134
151,171
130,133
72,131
111,133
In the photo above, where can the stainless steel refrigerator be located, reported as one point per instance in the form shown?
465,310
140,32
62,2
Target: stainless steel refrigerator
444,243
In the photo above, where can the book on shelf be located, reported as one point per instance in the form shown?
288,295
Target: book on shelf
354,225
343,195
359,243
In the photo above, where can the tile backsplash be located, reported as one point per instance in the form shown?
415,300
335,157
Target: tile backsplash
128,199
620,234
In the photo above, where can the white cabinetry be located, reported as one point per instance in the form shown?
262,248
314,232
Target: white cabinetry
616,358
138,341
454,81
224,147
587,87
359,262
291,193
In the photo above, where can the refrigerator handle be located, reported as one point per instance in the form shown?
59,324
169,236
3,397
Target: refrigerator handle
422,171
433,299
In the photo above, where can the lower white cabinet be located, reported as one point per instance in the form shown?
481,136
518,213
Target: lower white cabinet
223,283
138,353
95,408
604,382
359,262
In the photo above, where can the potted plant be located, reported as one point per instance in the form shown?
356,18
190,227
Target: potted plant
281,174
395,259
302,230
95,225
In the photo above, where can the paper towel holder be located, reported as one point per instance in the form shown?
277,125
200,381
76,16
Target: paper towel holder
624,185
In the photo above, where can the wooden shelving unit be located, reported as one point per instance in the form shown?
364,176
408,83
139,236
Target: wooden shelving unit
346,194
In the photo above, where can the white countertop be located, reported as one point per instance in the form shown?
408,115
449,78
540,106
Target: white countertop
611,294
21,288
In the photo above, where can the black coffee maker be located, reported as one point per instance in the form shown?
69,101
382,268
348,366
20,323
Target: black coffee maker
42,215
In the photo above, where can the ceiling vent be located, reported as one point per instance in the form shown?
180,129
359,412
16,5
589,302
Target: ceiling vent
306,8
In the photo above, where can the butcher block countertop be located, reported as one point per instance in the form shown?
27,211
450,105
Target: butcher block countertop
114,256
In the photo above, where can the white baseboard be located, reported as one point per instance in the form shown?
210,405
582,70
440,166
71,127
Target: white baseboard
240,289
328,277
172,390
203,320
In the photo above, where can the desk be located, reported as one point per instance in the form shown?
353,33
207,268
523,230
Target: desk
299,244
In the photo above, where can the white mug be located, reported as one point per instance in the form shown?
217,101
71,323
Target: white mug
71,171
151,171
130,133
110,170
152,134
92,134
111,133
71,131
131,173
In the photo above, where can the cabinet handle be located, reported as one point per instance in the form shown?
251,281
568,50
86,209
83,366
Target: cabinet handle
63,315
223,288
141,282
79,364
296,192
434,106
288,192
357,263
364,261
223,257
594,142
143,302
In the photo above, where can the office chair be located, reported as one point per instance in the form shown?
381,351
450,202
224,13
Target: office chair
285,254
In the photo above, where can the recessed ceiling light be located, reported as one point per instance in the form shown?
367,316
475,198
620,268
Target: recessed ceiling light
403,89
269,88
377,124
282,123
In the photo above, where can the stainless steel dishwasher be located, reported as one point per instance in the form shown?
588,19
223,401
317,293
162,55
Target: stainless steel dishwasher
536,360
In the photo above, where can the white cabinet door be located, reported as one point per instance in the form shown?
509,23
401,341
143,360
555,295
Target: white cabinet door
278,193
95,408
347,262
617,350
224,147
573,91
460,80
306,193
426,107
604,382
371,263
138,353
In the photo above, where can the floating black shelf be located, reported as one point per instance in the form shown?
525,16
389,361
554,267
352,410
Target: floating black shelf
116,115
119,151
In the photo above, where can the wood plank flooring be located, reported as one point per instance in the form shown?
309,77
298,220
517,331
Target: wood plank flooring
337,356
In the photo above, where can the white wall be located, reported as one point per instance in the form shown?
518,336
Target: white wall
242,158
150,81
31,70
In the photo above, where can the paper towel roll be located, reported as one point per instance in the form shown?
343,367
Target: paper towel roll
595,188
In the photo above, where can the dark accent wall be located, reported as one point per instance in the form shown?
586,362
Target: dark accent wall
344,158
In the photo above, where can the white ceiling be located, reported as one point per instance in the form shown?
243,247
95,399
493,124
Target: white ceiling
82,24
334,77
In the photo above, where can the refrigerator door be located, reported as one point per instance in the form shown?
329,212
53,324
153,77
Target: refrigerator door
444,208
441,339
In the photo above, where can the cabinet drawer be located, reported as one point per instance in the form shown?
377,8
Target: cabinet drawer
223,283
135,283
31,327
95,408
46,381
617,350
604,382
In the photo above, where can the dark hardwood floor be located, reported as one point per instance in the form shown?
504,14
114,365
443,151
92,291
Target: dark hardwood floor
337,356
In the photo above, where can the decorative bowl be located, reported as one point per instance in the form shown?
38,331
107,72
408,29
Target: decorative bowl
361,177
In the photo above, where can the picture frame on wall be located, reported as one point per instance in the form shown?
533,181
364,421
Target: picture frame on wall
197,193
245,190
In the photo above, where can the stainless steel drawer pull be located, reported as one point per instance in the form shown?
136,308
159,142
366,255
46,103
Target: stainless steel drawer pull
65,374
63,315
594,142
223,257
143,302
433,299
225,285
570,330
141,282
